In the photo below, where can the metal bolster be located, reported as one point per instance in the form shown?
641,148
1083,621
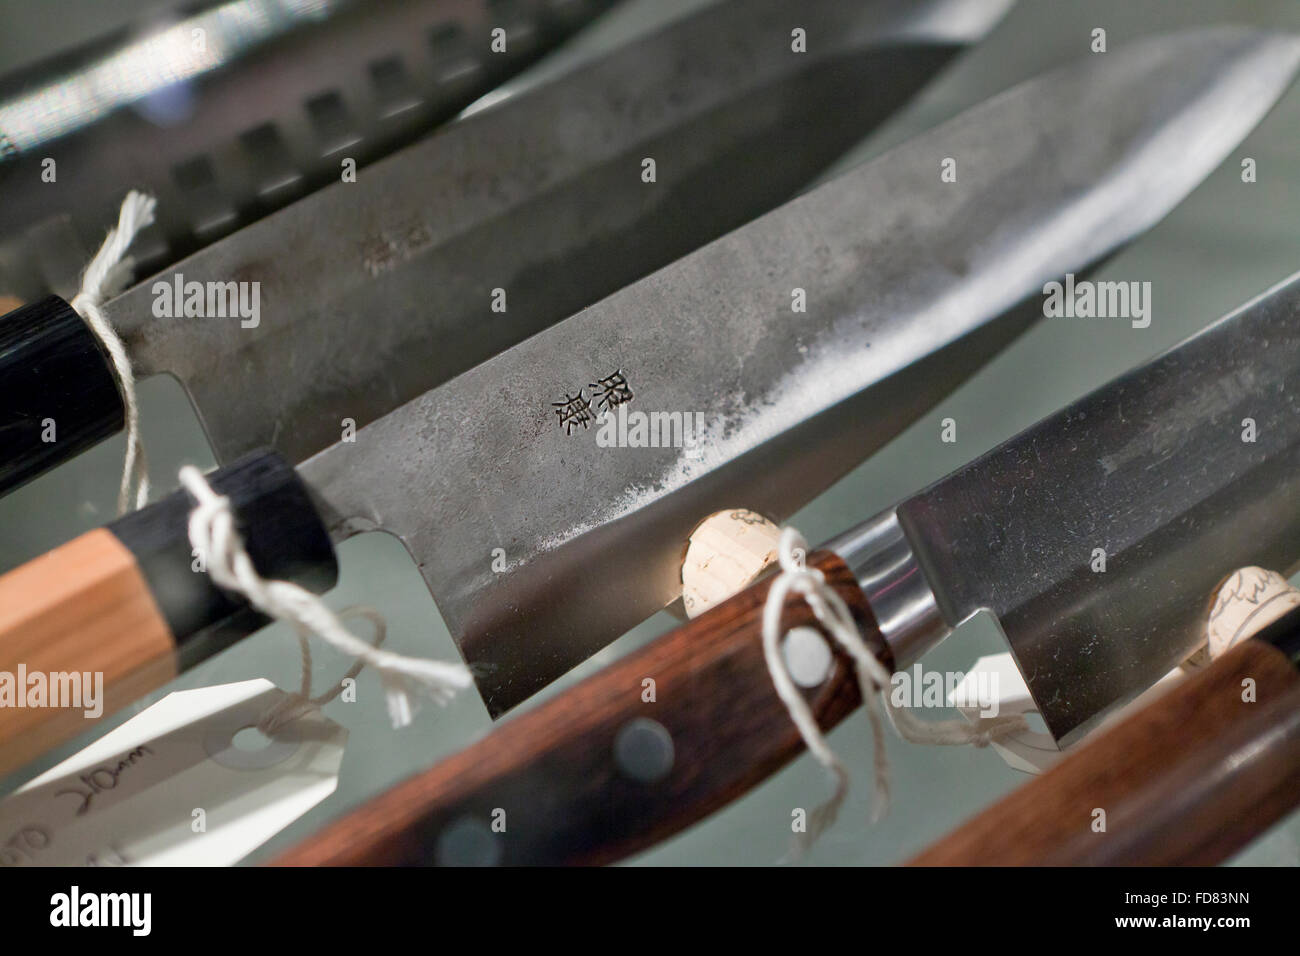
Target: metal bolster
881,558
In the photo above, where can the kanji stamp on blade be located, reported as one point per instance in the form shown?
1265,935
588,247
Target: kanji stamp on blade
612,391
575,410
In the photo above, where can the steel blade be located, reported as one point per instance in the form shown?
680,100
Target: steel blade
541,545
225,132
375,291
1156,470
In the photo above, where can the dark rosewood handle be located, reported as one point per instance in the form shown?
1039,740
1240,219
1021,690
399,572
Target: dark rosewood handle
597,772
56,382
1188,780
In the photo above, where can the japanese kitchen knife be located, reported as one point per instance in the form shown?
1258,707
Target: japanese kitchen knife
1189,780
369,293
543,534
234,111
1152,467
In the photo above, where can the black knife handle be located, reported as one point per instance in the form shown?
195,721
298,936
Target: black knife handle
128,606
282,532
58,391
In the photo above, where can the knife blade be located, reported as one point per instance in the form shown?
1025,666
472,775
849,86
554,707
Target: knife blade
1180,472
370,293
617,775
234,111
540,544
905,275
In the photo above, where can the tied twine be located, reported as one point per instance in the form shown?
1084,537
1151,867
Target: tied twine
873,680
105,276
296,704
213,533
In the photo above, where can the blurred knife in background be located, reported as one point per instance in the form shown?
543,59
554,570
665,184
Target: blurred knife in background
232,112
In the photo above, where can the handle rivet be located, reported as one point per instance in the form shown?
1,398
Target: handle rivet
468,842
807,656
644,750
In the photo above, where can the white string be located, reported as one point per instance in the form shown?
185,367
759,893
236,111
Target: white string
873,679
107,274
296,704
213,533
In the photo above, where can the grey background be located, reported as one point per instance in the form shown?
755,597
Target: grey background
1226,243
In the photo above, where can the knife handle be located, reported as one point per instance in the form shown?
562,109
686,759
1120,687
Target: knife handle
1186,781
58,391
615,763
127,601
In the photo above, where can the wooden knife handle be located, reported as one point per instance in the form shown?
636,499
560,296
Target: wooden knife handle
119,610
1187,780
58,391
608,767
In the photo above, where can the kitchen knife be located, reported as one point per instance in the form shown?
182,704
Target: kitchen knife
1151,467
233,111
370,293
1189,780
539,543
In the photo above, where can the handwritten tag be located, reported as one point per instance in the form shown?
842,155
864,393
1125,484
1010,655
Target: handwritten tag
188,782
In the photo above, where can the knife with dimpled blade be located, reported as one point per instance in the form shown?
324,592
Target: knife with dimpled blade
229,112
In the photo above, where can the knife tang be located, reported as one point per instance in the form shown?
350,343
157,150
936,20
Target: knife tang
601,771
1187,781
132,602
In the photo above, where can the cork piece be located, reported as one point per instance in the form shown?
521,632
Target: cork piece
727,551
1250,600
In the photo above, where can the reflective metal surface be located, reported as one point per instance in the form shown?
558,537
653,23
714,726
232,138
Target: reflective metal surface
541,544
230,113
146,67
1177,474
902,601
373,292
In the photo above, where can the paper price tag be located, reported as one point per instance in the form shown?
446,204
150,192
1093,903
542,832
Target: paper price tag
185,783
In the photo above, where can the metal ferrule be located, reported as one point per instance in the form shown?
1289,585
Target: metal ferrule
880,557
